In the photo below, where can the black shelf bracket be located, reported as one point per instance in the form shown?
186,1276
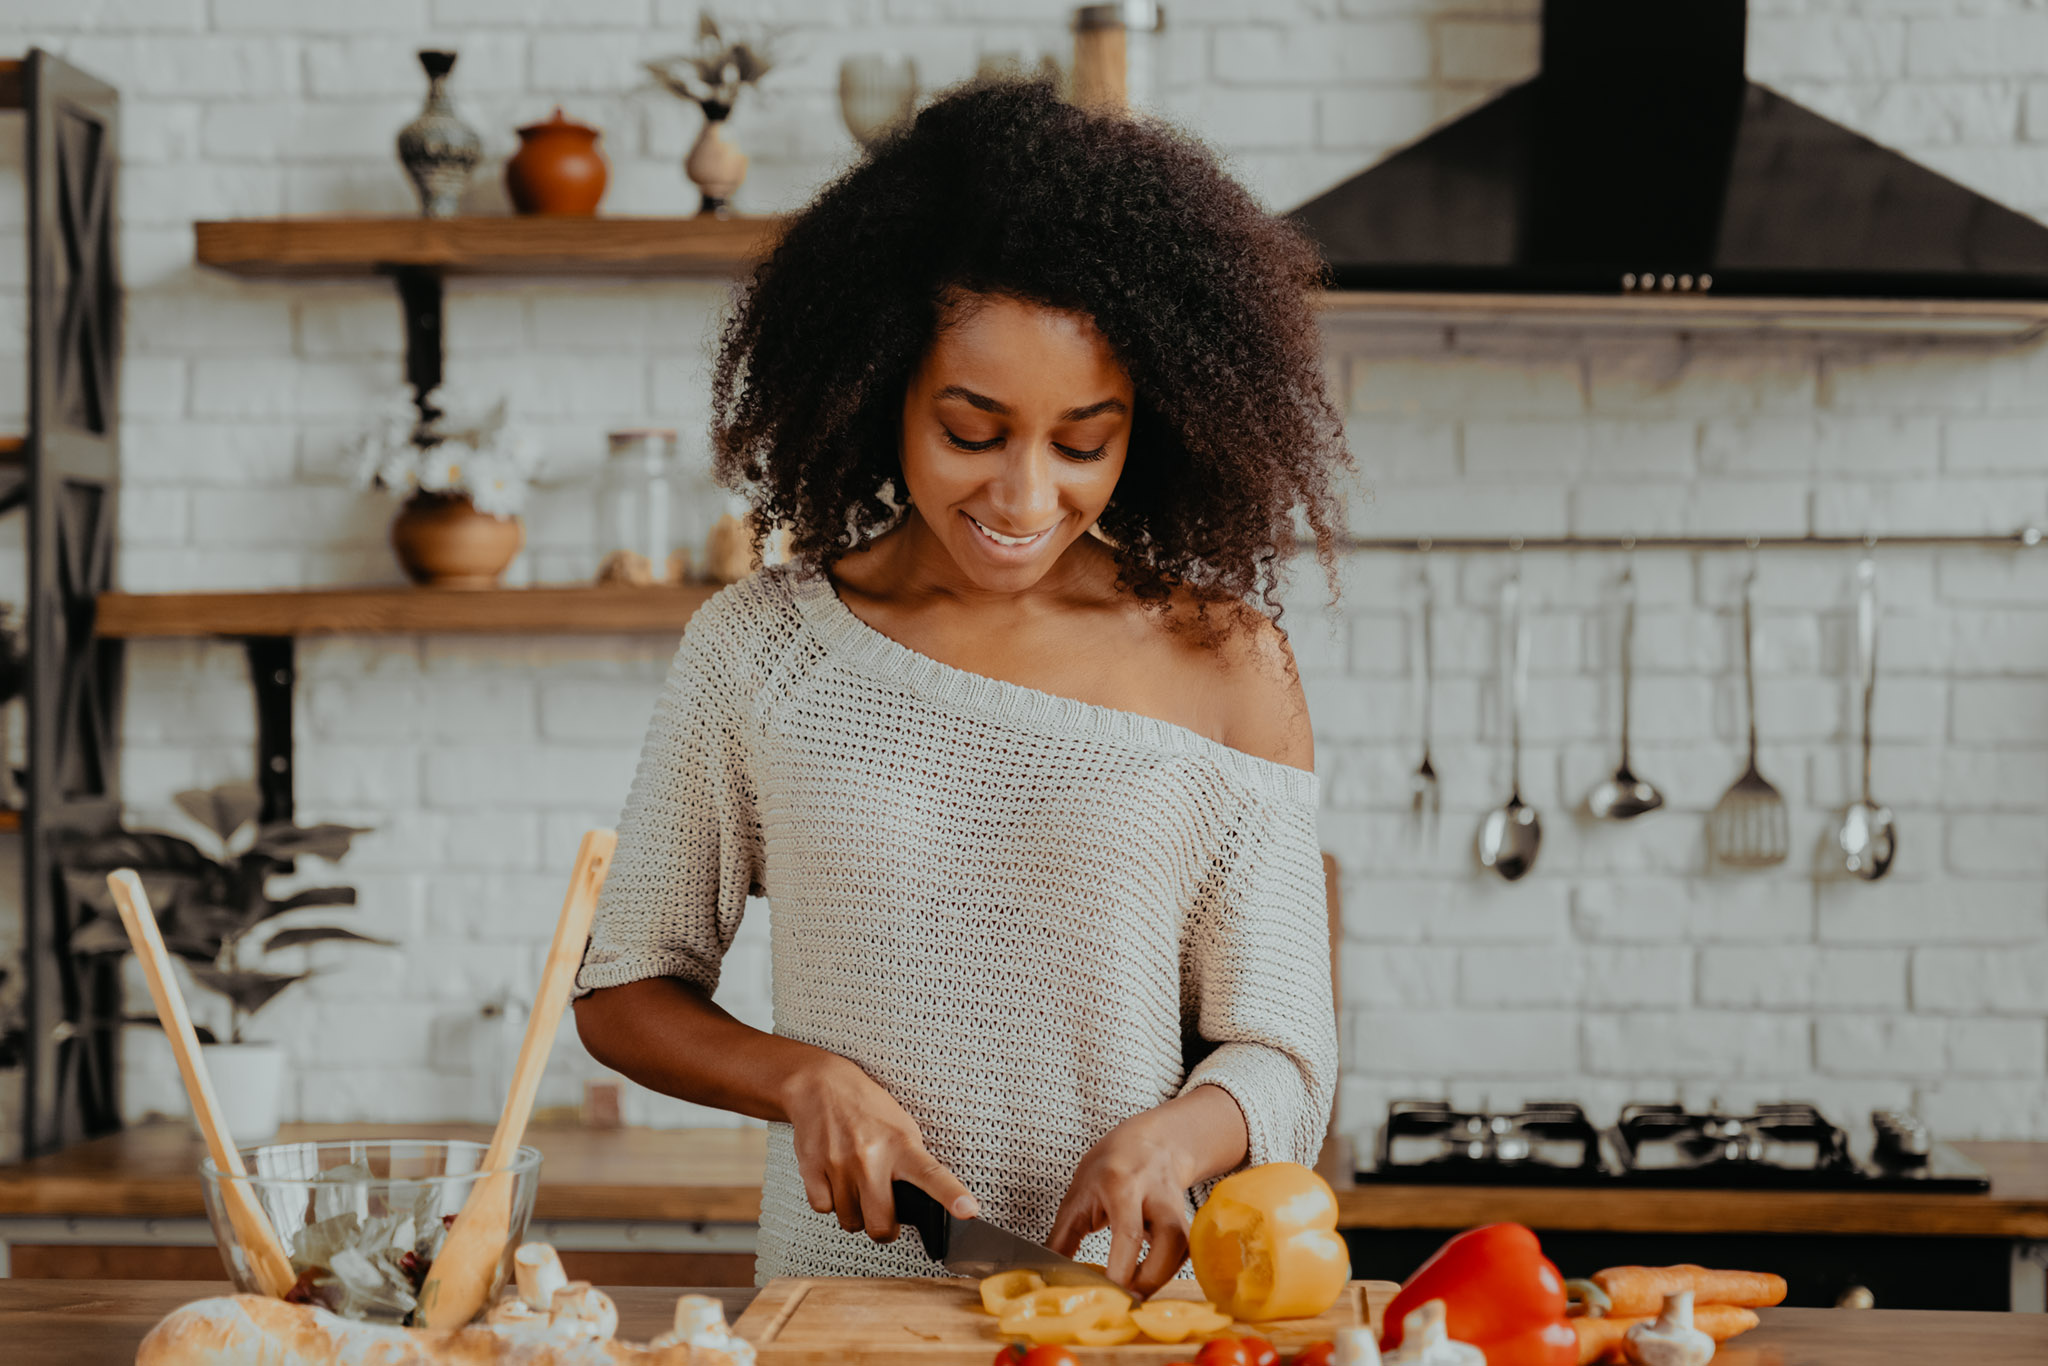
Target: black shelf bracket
420,294
273,672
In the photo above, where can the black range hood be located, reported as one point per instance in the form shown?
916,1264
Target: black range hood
1642,160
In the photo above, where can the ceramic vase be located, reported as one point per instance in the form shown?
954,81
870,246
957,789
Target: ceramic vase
248,1081
438,149
444,542
557,169
714,165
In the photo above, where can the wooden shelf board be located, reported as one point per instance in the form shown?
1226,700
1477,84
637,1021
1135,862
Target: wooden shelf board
9,820
562,610
13,449
2014,319
13,86
325,248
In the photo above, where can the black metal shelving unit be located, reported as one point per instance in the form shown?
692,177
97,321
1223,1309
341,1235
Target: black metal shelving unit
65,481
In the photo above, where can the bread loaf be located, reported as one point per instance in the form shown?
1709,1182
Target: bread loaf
252,1330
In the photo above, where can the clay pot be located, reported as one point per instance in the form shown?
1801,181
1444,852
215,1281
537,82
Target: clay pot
714,165
557,168
444,542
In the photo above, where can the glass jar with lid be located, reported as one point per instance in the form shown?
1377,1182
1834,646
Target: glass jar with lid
636,520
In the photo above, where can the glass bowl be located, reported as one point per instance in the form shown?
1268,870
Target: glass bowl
362,1219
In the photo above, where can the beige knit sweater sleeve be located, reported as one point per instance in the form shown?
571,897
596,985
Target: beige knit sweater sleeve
689,847
1256,981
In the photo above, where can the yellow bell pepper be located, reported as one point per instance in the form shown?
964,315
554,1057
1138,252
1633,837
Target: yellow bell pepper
1005,1288
1265,1244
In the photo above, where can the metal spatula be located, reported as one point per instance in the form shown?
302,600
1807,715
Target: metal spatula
1749,827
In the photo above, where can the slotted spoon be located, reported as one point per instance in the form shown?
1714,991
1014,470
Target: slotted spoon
1425,795
1749,827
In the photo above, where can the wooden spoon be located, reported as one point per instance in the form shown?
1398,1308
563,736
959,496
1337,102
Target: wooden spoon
267,1260
461,1275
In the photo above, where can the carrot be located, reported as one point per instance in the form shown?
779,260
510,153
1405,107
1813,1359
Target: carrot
1602,1339
1641,1289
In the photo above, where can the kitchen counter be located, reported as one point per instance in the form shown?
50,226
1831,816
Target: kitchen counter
99,1323
714,1176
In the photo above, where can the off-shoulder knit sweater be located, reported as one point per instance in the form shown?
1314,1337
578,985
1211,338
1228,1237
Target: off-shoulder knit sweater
1028,918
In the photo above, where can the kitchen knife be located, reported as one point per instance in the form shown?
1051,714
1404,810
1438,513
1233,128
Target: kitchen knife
977,1248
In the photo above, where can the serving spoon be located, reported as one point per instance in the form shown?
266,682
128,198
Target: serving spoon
1868,839
1511,835
1624,796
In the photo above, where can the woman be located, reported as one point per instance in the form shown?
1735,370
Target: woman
1014,746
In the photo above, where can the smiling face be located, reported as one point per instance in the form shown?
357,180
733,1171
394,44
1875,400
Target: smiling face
1015,429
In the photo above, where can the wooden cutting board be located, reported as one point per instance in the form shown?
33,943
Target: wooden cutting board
858,1321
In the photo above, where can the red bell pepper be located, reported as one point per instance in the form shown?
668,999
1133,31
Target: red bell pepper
1500,1293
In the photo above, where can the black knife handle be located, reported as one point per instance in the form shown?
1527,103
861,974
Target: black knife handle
923,1213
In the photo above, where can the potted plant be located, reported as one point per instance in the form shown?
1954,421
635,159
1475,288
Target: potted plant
217,914
712,78
460,472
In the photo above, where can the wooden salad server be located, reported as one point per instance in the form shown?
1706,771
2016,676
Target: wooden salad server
461,1275
266,1255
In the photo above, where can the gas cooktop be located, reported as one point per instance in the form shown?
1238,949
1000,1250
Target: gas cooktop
1785,1146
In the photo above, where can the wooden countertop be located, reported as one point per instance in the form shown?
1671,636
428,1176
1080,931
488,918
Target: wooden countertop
714,1175
100,1323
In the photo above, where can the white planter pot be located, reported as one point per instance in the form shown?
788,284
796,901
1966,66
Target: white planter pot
248,1080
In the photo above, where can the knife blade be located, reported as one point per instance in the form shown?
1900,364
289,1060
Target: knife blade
977,1248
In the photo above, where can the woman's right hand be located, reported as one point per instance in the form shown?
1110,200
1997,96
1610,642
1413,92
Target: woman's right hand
853,1140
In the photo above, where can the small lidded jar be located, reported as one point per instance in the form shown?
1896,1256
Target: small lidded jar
636,510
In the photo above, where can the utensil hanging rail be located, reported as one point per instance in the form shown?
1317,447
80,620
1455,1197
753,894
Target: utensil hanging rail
2025,538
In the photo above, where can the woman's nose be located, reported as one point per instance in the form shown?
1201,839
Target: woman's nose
1025,493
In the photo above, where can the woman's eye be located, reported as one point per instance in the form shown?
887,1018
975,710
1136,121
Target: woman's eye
1072,454
962,443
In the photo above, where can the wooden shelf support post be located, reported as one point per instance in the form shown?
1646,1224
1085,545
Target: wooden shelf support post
273,674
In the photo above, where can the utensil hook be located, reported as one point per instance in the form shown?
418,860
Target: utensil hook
1749,648
1628,640
1425,661
1866,646
1517,640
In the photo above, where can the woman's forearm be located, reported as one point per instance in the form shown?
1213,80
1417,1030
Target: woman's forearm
1211,1131
672,1038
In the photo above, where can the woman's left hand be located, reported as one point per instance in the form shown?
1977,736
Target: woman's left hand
1135,1183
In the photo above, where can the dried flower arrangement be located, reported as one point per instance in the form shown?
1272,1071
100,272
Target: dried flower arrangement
451,445
716,72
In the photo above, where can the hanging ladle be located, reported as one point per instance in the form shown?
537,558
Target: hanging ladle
1510,836
1867,838
1625,796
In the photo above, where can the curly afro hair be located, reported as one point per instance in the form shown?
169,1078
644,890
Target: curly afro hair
1002,188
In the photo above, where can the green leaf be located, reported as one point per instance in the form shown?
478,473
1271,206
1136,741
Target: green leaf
312,896
146,851
250,991
283,840
203,1034
88,887
315,934
224,809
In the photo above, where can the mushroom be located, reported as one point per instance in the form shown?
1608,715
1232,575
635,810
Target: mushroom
1425,1341
539,1273
582,1311
1671,1340
1356,1347
516,1315
700,1322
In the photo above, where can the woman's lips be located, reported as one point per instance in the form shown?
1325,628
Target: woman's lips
1005,544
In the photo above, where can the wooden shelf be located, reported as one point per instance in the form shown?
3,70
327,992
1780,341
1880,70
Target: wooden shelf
326,248
13,91
10,821
1988,319
566,610
13,449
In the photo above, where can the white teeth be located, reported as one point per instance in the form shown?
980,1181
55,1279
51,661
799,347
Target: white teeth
1001,539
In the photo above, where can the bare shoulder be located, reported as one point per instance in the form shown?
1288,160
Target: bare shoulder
1260,706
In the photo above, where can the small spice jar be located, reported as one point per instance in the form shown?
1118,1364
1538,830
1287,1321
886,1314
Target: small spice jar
636,509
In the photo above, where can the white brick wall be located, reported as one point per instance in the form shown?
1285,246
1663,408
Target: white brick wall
1625,967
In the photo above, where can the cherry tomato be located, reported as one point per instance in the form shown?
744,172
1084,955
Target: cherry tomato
1012,1355
1223,1352
1316,1354
1260,1351
1050,1356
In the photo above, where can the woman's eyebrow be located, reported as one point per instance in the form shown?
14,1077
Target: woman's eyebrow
993,405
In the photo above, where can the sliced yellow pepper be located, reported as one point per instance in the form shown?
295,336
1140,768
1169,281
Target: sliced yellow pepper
1091,1316
1178,1320
1005,1288
1265,1244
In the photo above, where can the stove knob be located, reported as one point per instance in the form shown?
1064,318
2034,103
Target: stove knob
1512,1148
1476,1150
1500,1124
1856,1297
